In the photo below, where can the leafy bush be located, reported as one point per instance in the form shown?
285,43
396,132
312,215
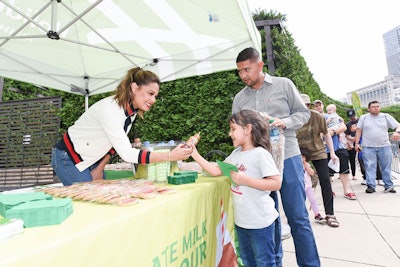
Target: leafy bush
199,104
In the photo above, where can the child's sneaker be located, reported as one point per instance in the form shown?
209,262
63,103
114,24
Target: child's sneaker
319,219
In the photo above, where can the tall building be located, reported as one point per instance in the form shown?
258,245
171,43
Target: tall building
391,41
387,92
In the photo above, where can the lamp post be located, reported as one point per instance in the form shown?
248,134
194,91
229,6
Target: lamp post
267,24
1,88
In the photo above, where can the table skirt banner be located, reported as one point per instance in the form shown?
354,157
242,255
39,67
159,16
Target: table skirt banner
193,227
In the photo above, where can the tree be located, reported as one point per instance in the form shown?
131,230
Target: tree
197,104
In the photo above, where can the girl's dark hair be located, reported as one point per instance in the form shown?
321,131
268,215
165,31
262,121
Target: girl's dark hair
122,93
260,130
306,153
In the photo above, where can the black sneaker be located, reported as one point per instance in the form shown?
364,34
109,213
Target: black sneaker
390,190
370,189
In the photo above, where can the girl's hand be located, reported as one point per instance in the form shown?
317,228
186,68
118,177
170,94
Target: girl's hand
239,177
194,151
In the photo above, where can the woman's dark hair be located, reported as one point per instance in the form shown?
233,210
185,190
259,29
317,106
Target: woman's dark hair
122,93
260,126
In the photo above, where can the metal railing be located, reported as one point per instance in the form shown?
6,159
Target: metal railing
395,155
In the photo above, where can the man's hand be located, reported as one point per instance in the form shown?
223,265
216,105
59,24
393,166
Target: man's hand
395,136
278,123
357,147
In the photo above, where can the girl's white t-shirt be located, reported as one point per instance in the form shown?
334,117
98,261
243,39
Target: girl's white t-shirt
253,208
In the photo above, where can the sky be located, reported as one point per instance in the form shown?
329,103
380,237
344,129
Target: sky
341,41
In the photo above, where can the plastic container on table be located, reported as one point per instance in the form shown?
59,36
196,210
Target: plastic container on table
183,177
159,171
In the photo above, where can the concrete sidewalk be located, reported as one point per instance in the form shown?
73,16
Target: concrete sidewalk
369,231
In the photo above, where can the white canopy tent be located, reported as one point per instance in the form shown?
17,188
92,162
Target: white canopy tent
86,46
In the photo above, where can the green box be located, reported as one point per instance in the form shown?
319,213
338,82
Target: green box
8,201
194,173
181,179
42,212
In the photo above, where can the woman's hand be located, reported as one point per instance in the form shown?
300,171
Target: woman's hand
181,152
97,173
334,157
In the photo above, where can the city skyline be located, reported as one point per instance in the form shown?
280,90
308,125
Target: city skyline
341,42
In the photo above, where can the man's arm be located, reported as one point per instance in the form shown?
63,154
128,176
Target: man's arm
329,144
299,113
357,146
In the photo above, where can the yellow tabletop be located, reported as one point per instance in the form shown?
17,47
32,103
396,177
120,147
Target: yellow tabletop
187,228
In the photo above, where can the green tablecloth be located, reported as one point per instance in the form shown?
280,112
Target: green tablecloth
118,174
150,233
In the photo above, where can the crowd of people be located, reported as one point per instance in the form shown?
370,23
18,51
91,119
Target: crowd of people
312,137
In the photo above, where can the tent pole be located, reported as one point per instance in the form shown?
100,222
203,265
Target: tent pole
86,79
86,102
1,88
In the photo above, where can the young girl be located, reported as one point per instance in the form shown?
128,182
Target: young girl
254,209
308,171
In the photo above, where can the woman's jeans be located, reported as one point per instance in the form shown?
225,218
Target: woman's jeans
381,156
66,170
257,246
293,198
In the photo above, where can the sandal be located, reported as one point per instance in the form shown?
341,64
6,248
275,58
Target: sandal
350,196
331,221
319,219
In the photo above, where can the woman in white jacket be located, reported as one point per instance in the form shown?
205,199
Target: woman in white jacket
86,147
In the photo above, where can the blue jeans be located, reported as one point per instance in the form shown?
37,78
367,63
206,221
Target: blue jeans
382,156
66,170
257,246
293,198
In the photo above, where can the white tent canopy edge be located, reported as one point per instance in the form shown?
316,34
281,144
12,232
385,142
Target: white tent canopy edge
85,46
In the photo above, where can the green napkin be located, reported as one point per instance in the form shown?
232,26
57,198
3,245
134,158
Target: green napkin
226,169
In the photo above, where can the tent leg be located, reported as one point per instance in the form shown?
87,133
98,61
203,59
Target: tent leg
86,102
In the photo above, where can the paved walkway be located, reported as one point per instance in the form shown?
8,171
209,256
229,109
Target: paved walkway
369,231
